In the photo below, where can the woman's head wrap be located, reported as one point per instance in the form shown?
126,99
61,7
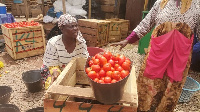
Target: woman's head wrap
66,19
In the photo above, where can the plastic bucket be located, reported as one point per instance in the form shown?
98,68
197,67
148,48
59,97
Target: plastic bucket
32,80
3,10
94,50
190,87
5,92
108,93
38,109
9,108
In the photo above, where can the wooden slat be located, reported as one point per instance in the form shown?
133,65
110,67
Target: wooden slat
85,93
83,107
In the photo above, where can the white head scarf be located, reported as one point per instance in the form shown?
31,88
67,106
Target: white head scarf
66,19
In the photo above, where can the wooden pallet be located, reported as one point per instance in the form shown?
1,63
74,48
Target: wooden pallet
60,95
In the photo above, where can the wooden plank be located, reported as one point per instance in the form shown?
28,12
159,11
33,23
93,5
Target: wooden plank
64,6
108,2
89,31
55,106
108,8
89,8
86,93
29,53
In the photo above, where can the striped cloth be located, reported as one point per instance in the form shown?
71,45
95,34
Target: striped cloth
56,54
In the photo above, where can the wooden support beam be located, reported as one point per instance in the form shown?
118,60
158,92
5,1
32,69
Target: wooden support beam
27,9
89,12
64,7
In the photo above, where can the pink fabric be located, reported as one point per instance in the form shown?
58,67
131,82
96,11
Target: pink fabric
132,38
169,53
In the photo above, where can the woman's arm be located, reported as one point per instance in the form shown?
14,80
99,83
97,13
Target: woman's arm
145,25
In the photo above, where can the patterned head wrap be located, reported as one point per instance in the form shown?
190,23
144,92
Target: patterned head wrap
66,19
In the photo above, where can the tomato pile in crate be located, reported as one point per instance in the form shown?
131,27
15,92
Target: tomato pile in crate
108,68
23,39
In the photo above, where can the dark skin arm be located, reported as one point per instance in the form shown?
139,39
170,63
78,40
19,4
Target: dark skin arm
122,44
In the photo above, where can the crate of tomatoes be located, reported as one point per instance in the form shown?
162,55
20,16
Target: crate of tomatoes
23,39
73,92
108,75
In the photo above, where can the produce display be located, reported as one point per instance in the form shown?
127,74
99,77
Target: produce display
21,24
108,68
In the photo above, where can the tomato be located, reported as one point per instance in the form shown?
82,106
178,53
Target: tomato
101,81
93,58
102,78
119,69
96,68
112,69
126,66
121,59
113,81
91,63
116,66
96,79
107,67
98,56
116,75
102,73
112,62
98,75
107,80
103,60
107,55
92,74
88,69
109,73
124,73
128,60
117,57
96,61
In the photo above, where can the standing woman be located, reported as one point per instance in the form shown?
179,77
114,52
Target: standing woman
167,62
62,48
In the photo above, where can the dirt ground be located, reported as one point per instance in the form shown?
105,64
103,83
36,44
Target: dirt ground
11,75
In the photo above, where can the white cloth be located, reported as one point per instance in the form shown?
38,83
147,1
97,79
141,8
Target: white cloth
56,54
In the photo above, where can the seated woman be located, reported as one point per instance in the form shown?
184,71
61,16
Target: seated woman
62,48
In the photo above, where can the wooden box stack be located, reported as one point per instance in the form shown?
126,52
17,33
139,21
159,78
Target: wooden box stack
118,29
113,8
24,42
94,31
70,84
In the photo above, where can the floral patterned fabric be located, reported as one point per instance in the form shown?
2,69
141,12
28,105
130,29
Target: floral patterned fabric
161,95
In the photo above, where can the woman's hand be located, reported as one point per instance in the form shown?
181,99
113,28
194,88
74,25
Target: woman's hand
54,76
122,44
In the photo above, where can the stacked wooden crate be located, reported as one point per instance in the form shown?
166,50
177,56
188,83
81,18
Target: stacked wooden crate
118,29
8,4
113,8
94,31
24,42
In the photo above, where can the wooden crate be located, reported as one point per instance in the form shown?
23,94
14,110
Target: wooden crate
59,96
118,29
94,31
24,42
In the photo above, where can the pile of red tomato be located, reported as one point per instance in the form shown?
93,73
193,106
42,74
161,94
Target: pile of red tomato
21,24
108,68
